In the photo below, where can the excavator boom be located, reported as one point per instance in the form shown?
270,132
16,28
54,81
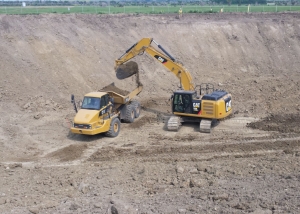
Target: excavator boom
124,70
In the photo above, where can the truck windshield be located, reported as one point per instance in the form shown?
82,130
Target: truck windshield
92,103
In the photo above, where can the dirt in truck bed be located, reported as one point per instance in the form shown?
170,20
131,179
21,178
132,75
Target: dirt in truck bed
114,88
249,163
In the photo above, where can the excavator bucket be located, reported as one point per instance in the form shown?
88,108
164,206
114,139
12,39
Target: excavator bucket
127,70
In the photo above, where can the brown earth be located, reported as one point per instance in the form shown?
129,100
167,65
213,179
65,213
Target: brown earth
286,123
248,164
112,87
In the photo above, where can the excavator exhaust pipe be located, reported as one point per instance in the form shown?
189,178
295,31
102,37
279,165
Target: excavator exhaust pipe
127,70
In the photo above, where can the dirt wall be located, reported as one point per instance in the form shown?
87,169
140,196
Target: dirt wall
253,56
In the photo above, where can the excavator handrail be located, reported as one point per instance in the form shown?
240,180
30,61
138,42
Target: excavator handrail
144,45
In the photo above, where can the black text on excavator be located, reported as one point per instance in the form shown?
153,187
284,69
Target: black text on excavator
190,103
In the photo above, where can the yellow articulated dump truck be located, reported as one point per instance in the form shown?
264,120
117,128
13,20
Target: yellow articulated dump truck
103,111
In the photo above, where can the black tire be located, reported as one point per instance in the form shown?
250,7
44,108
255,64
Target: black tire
115,127
129,117
137,108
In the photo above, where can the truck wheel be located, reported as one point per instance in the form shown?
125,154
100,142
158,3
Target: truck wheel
137,108
129,117
115,127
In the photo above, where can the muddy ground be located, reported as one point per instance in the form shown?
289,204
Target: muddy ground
248,164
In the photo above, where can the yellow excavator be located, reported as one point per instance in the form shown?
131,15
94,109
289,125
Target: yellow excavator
190,103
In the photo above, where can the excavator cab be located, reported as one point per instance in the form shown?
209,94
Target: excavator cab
183,101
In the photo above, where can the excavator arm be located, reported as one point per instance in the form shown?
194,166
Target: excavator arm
144,45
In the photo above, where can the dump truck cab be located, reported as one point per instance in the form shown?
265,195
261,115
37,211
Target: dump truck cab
93,115
103,111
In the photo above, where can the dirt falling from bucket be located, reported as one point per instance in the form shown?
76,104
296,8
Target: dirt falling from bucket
127,70
138,82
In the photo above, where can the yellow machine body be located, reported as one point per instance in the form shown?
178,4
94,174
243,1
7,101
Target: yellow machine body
99,109
219,109
89,121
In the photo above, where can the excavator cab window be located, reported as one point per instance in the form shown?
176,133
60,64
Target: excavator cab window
177,103
182,103
187,103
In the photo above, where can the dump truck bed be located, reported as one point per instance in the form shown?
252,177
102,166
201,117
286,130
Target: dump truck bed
121,96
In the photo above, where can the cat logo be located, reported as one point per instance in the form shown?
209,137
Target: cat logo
228,106
161,59
196,106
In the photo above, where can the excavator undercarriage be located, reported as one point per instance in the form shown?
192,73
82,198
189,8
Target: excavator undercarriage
175,122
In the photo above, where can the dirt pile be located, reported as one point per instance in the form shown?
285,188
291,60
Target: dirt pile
143,121
281,123
114,88
68,153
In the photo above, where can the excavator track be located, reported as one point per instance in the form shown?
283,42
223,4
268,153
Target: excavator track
173,123
205,126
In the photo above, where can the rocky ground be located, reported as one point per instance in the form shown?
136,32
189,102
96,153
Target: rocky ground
248,164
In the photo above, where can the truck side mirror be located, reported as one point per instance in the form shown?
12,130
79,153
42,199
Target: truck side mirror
102,112
79,103
74,104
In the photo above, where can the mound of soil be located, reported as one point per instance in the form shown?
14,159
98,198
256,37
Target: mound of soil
68,153
281,123
143,121
114,88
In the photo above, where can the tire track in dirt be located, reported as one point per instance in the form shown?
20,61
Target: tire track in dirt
215,150
169,146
